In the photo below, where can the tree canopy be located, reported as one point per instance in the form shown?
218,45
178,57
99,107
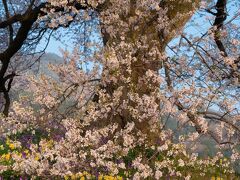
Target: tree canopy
143,108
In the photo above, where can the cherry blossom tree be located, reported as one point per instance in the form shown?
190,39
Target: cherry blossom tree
21,32
113,119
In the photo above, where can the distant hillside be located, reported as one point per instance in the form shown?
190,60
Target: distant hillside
41,67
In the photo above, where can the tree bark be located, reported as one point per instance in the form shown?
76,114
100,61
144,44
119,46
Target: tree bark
143,61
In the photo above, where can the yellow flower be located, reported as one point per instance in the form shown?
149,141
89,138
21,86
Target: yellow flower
37,157
8,141
85,173
221,161
49,143
7,156
1,147
66,177
73,177
11,146
110,178
106,177
216,178
119,178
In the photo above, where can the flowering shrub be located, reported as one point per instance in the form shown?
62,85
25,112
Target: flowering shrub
139,161
8,149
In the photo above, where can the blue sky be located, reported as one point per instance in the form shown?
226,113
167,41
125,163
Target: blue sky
198,25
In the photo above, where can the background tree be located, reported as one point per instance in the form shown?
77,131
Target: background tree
20,33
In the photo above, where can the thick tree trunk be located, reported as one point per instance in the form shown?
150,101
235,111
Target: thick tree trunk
143,37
